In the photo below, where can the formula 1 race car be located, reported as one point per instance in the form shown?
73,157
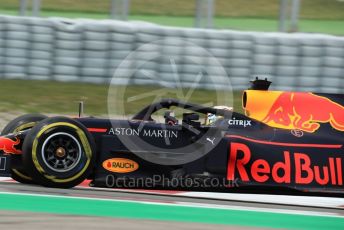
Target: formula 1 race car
285,140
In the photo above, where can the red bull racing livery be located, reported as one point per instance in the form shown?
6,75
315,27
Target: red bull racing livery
289,140
297,110
7,145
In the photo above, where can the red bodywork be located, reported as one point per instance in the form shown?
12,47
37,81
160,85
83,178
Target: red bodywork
8,146
305,111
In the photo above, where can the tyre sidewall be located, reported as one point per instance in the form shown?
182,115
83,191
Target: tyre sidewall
22,123
18,124
34,160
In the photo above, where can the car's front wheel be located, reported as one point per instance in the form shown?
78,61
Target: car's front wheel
59,152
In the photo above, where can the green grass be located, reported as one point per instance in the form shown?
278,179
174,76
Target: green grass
51,97
310,9
335,27
317,16
62,98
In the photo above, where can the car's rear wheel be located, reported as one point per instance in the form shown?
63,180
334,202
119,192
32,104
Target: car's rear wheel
59,152
21,123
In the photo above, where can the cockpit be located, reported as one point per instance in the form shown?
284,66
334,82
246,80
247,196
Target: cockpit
189,113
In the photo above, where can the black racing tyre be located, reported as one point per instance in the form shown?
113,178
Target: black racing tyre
59,152
19,124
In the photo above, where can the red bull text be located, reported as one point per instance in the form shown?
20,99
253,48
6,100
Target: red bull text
295,168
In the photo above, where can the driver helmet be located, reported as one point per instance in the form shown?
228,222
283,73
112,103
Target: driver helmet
211,118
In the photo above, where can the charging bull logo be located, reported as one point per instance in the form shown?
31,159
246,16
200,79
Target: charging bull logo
304,111
7,145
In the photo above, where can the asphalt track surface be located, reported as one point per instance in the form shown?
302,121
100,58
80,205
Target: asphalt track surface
34,221
29,220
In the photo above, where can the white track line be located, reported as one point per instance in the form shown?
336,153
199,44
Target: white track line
310,201
306,201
